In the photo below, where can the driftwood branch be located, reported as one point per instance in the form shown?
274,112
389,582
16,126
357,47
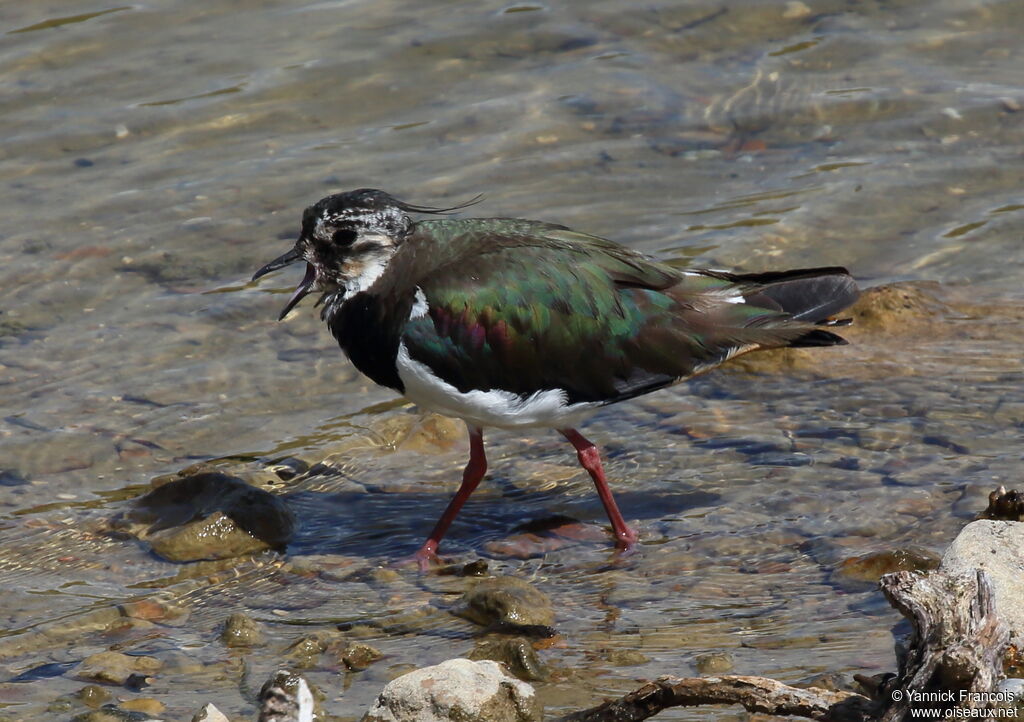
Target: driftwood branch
756,694
956,646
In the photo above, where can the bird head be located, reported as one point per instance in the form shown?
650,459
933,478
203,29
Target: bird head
347,240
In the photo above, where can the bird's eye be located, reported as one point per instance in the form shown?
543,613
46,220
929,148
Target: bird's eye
344,236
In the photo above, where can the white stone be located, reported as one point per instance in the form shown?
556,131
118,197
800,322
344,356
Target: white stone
998,548
458,689
209,713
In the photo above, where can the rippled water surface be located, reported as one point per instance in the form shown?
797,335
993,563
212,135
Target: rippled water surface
155,154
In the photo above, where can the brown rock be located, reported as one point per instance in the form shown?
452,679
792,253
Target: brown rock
516,653
358,656
115,668
208,515
241,630
92,695
146,705
506,600
871,567
215,537
898,308
1005,505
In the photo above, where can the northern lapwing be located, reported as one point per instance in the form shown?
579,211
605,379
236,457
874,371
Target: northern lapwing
517,324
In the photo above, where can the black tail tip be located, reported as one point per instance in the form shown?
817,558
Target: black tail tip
818,337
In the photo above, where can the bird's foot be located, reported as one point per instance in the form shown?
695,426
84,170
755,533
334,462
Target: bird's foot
425,558
626,540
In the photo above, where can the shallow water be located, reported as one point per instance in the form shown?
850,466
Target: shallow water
155,155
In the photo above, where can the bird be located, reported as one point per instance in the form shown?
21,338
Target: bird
521,324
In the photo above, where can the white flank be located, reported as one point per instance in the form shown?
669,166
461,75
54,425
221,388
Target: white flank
420,307
503,409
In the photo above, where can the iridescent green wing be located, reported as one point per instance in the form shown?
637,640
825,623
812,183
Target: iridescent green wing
524,306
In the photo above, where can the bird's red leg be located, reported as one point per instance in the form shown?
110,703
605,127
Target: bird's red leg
590,459
471,476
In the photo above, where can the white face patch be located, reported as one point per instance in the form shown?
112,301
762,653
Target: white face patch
503,409
370,254
371,266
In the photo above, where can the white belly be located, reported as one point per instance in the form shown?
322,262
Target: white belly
503,409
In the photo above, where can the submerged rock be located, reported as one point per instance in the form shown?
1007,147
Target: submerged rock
898,308
713,663
625,657
544,536
146,705
516,653
358,656
305,652
116,668
506,601
903,309
869,568
241,630
209,515
112,713
92,695
456,690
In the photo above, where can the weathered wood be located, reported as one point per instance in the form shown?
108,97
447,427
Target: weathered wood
756,694
956,645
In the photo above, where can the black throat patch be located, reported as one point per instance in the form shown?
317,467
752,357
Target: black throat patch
368,329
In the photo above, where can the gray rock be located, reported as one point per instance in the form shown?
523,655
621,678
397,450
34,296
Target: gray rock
998,548
456,690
